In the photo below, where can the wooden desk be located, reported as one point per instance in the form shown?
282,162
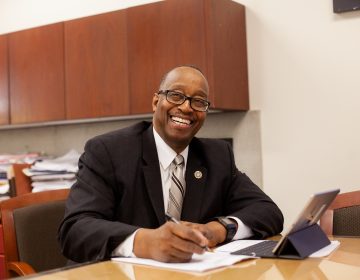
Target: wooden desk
344,263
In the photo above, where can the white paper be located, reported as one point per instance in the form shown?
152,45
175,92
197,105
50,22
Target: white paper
4,187
198,263
41,189
67,162
327,250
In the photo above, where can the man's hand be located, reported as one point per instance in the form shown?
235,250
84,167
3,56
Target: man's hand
213,231
169,243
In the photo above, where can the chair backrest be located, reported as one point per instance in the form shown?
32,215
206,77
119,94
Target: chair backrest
30,224
343,215
22,182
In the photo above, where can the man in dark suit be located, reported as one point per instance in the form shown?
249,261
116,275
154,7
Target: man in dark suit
117,206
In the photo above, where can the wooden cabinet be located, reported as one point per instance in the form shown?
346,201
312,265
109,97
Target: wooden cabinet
36,61
4,81
161,36
207,33
227,54
111,64
96,66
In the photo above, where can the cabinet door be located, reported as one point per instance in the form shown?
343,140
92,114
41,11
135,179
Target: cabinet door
4,81
36,59
227,60
96,66
162,35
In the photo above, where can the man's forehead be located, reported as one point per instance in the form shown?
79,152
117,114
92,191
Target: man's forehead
184,73
185,70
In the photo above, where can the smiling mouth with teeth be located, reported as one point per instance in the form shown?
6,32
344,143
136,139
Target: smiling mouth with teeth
181,121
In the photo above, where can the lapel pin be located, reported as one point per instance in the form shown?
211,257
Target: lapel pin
198,174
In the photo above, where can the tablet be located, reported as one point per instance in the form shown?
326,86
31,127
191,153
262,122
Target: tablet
311,213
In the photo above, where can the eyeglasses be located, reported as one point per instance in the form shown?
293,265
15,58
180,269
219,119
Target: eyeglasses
178,98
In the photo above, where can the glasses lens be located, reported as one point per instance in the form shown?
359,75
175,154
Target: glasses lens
175,97
199,104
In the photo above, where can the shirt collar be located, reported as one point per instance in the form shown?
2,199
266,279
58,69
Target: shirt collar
165,153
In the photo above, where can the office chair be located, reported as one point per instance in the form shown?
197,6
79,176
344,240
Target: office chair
30,223
343,215
21,184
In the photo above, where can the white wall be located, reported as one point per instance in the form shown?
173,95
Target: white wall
242,127
304,68
23,14
304,78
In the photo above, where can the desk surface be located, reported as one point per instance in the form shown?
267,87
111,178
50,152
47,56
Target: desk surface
344,263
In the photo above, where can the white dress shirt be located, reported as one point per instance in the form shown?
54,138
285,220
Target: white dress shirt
166,155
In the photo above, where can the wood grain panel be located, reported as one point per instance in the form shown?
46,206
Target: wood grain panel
36,59
22,182
96,66
226,42
1,240
161,36
2,265
4,81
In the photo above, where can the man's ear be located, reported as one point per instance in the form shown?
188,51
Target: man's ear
155,101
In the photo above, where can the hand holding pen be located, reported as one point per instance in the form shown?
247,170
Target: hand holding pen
172,219
171,242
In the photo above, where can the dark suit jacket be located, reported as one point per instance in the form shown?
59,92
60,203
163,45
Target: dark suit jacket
118,190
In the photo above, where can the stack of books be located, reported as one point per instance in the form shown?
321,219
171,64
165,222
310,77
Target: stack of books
4,184
52,174
6,161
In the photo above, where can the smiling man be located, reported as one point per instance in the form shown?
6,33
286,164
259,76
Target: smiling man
131,181
175,119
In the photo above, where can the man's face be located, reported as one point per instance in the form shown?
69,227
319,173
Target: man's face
178,124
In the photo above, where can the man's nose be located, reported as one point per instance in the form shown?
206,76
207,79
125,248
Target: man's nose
185,107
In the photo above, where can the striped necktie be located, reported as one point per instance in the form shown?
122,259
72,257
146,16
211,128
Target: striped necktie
177,188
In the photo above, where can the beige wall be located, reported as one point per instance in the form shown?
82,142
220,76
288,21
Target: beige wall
304,67
243,128
22,14
304,74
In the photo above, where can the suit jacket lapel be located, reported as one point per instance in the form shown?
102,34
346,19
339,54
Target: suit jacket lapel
195,177
151,171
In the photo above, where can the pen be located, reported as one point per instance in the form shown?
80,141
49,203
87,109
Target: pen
172,219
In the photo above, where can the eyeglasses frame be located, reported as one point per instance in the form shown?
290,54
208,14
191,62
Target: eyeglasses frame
167,91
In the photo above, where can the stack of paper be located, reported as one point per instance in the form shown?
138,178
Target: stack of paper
4,184
198,263
6,160
52,174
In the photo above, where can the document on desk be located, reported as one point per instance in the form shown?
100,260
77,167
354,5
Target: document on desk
198,263
327,250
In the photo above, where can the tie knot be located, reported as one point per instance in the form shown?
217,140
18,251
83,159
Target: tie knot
178,160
